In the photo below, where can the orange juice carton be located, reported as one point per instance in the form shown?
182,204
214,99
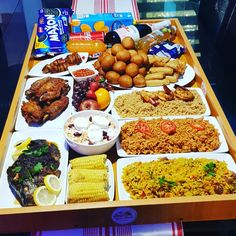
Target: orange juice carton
100,22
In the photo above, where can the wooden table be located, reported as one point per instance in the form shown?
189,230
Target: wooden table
200,208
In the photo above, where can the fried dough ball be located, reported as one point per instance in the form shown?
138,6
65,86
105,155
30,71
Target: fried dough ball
142,71
119,67
128,43
145,57
133,52
102,56
123,55
131,69
139,81
116,48
107,62
125,81
112,77
97,65
137,59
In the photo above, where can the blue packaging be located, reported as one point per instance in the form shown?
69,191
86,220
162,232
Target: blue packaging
100,22
167,49
52,31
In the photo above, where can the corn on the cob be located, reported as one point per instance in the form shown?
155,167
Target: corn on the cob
87,192
88,175
89,162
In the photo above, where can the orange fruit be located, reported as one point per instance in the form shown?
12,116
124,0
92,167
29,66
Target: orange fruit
103,98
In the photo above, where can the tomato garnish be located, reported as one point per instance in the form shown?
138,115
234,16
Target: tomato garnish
142,126
197,126
168,127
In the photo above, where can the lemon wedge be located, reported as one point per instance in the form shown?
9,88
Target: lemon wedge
24,144
42,197
20,148
53,184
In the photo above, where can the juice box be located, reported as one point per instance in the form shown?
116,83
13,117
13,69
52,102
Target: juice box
100,22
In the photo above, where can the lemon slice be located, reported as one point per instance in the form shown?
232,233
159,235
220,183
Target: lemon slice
53,184
24,144
16,154
42,197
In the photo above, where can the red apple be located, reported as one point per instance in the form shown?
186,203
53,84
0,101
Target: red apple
89,104
91,94
94,86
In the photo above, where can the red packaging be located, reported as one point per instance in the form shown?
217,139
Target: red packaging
98,35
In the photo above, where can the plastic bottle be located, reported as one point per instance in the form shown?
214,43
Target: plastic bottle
135,31
93,47
97,35
156,37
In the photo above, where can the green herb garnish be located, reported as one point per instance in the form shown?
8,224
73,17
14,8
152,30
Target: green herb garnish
17,169
209,168
162,181
38,152
53,166
37,168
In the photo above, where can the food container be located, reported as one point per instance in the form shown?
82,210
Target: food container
202,208
84,68
89,146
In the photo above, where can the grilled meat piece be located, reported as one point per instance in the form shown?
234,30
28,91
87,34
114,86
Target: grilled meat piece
47,99
55,108
61,64
32,112
47,89
28,171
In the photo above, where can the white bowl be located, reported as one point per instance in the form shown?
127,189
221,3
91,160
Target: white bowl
92,149
72,69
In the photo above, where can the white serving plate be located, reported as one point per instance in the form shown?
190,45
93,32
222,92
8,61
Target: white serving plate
123,162
223,146
111,183
118,93
183,80
37,69
58,122
8,200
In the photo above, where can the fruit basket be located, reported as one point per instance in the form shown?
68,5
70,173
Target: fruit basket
201,208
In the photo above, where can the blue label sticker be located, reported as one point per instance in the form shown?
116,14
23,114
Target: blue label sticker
124,215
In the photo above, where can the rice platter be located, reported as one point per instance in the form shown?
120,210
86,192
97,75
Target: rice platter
164,178
133,105
158,136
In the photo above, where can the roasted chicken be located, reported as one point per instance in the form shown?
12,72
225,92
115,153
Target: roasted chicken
55,108
32,112
47,99
47,89
62,64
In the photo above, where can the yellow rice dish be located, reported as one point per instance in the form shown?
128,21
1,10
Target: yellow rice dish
169,136
132,105
178,177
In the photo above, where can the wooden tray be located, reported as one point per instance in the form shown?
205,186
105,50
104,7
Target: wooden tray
101,213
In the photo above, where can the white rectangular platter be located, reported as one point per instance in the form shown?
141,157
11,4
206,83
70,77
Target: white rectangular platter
7,199
152,89
123,162
223,146
111,184
58,122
